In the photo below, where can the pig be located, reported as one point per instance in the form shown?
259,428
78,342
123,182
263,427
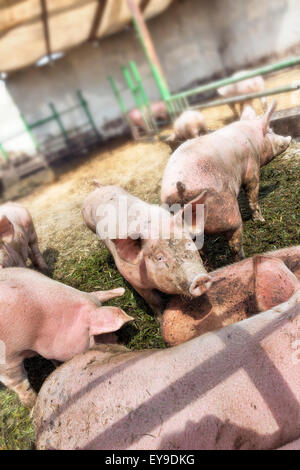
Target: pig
215,167
237,292
150,262
41,316
158,111
244,87
235,388
18,238
136,119
188,125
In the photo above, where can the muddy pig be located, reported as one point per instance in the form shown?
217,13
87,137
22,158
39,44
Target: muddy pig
151,262
42,316
188,125
243,87
215,166
237,292
236,388
18,238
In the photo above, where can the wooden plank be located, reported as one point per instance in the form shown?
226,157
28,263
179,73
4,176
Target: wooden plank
97,19
46,27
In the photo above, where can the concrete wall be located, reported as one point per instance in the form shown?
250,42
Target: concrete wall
11,125
195,40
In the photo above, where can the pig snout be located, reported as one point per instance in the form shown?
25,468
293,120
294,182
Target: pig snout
200,285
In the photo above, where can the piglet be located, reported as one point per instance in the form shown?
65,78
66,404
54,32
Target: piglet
158,111
18,238
41,316
188,125
211,170
237,292
243,87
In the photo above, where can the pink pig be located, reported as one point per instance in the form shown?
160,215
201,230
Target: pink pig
236,388
42,316
188,125
18,239
244,87
211,170
237,292
158,110
151,262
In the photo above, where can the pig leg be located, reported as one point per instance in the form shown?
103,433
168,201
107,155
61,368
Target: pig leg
222,215
14,377
154,299
35,255
234,111
235,242
252,188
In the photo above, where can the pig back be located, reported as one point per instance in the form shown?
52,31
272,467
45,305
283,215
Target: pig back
234,389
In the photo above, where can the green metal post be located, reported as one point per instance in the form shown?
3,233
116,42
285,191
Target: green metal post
121,102
138,80
86,109
135,91
132,87
59,121
28,130
4,153
117,94
150,53
142,91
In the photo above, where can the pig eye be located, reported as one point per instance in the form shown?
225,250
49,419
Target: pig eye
160,258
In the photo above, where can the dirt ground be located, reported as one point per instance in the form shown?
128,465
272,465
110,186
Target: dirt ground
138,167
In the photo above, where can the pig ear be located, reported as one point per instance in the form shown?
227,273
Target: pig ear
189,213
274,282
104,295
267,117
6,230
129,250
107,319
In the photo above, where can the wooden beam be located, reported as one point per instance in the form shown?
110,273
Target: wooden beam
97,19
144,36
46,27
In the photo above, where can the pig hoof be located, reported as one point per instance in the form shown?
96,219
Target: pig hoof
28,401
258,217
45,270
